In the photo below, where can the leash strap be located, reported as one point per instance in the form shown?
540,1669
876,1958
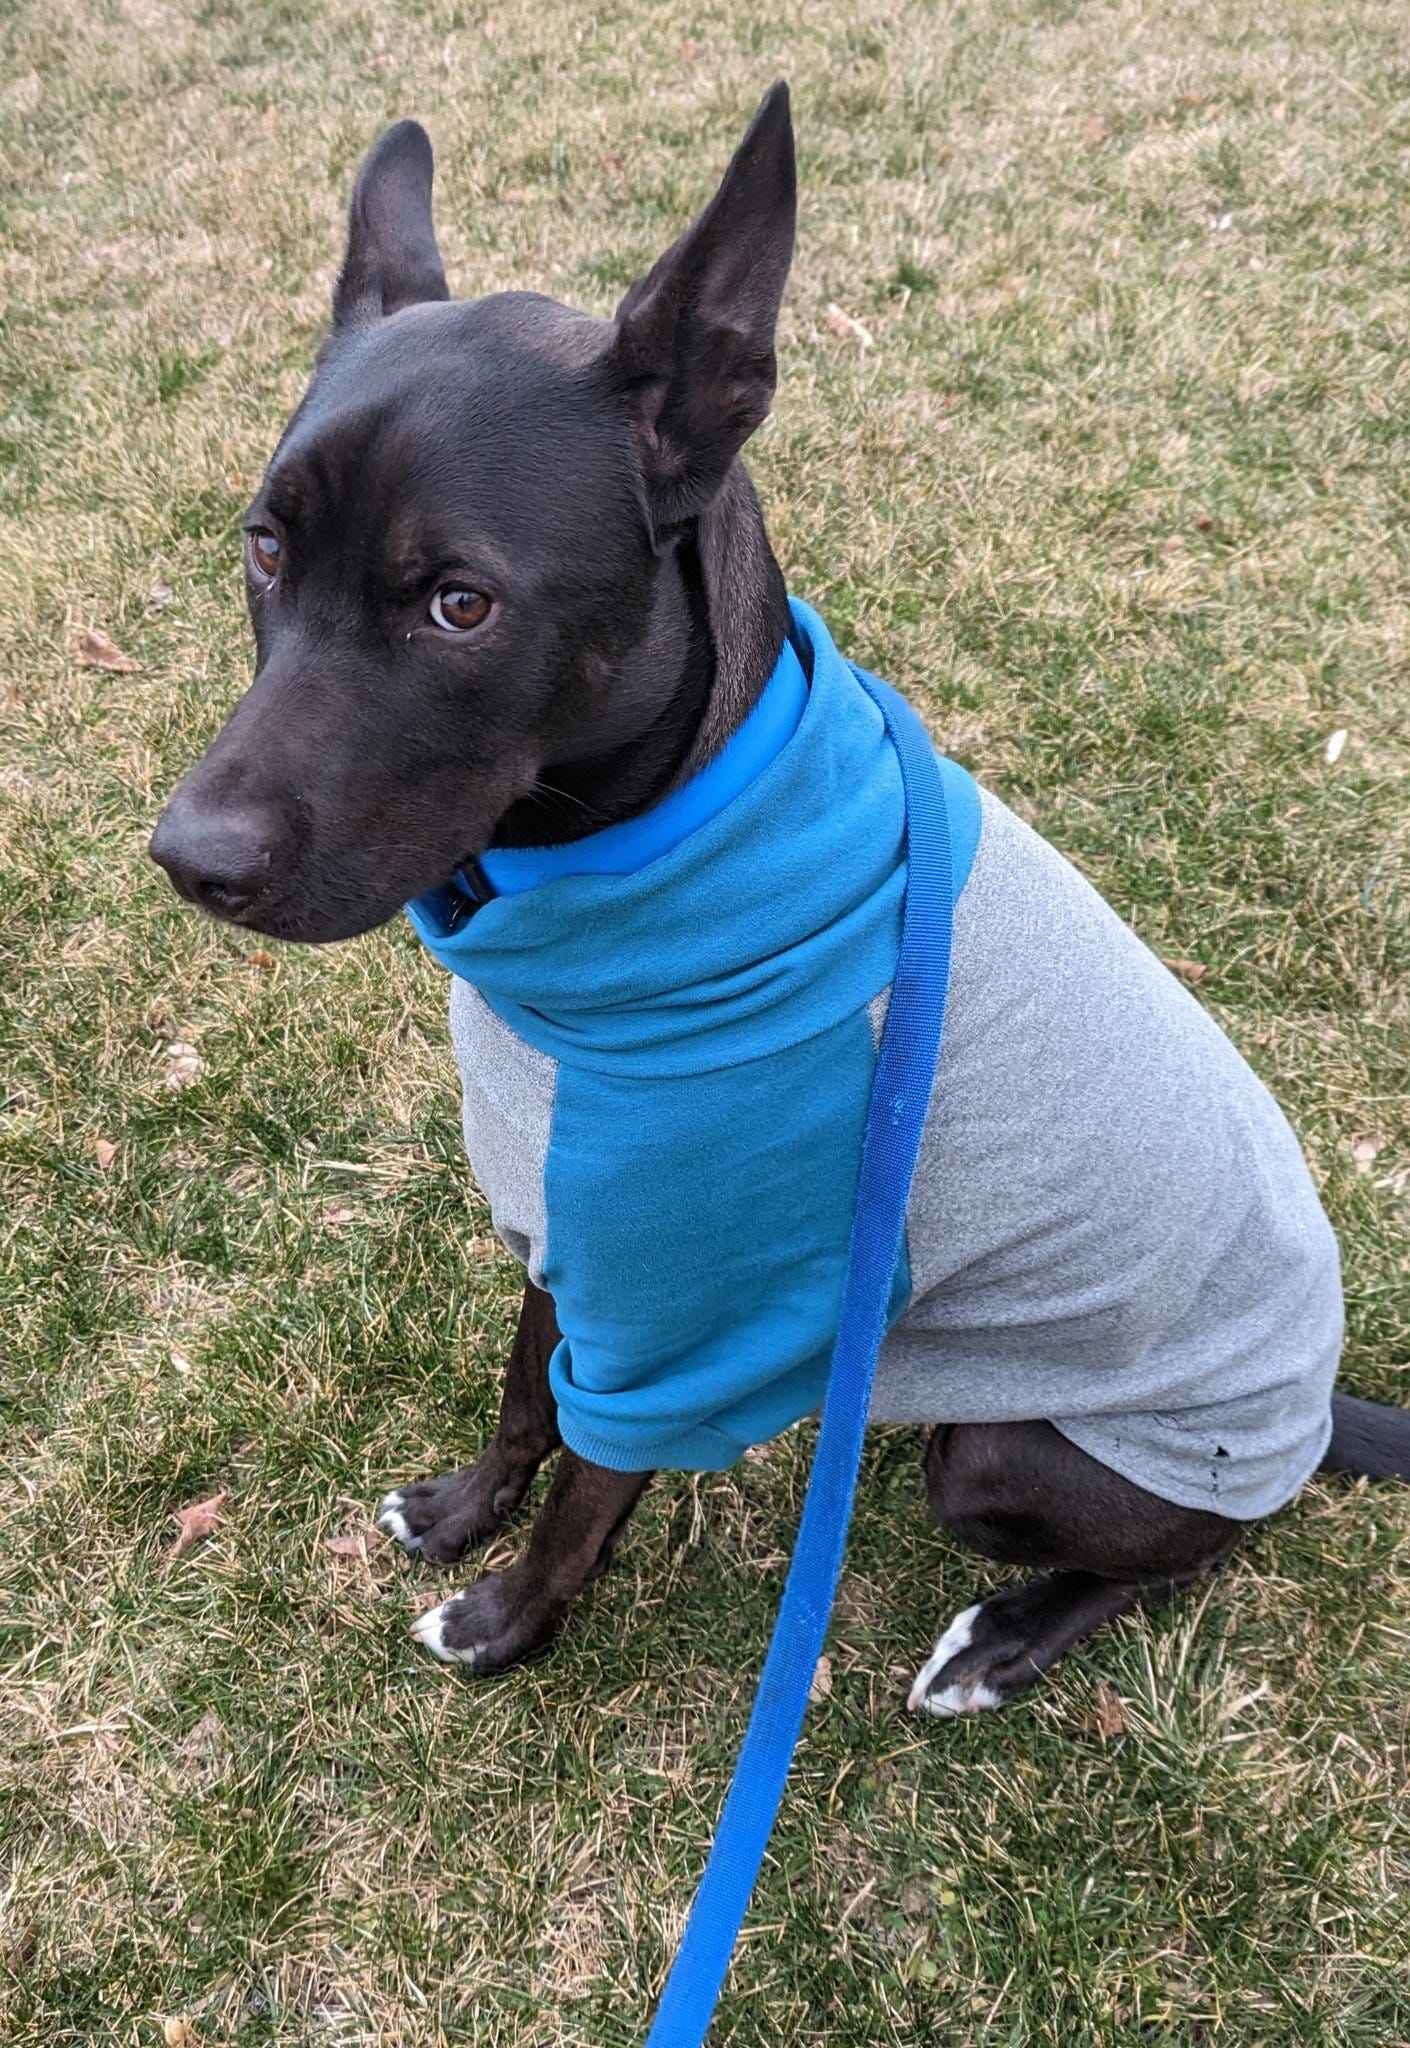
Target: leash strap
905,1068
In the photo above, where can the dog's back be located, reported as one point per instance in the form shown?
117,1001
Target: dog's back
1112,1225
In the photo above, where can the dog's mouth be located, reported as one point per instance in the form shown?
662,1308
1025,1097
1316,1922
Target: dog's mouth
278,870
319,910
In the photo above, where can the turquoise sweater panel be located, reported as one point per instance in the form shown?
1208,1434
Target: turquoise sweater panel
701,977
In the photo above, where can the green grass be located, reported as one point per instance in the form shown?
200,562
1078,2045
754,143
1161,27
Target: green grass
1120,498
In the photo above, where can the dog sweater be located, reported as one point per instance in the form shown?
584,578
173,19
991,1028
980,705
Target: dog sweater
666,1035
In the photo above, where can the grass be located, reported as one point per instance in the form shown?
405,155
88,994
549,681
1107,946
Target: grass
1119,496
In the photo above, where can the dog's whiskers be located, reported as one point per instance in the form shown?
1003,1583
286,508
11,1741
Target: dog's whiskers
551,789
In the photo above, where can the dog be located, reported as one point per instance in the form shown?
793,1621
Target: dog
526,663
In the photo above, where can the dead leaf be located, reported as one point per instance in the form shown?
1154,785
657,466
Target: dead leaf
202,1518
1188,970
96,650
689,50
1365,1152
242,1177
1331,753
179,2032
848,329
339,1215
1095,130
261,958
105,1152
613,162
180,1361
822,1680
1172,544
203,1752
183,1064
159,597
1278,111
1204,522
1107,1715
359,1544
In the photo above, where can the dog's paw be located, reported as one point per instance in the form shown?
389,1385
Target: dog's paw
989,1654
441,1631
951,1681
494,1623
440,1519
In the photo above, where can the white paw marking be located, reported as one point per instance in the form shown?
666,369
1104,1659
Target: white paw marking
429,1630
958,1636
391,1518
954,1699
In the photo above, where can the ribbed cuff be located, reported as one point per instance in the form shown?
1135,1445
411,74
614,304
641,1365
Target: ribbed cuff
701,1449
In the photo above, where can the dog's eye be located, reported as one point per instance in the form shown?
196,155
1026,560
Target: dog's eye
457,610
264,551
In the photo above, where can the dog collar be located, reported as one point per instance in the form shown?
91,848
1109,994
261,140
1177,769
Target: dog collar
625,848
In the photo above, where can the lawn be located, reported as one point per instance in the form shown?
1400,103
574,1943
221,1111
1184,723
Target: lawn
1112,480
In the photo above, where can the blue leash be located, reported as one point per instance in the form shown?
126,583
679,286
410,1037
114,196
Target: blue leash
905,1067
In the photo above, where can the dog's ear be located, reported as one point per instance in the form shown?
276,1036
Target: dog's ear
694,346
392,259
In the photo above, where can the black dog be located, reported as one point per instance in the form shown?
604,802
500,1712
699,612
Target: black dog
510,585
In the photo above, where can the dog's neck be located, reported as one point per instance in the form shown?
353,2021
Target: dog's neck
718,622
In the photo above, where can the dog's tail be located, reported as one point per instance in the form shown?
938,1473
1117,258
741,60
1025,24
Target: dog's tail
1368,1439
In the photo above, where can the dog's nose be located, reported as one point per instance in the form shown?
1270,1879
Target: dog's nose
220,858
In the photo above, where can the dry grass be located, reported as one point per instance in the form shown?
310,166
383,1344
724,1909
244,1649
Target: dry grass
1119,494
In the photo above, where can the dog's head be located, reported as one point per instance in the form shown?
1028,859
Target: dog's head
454,563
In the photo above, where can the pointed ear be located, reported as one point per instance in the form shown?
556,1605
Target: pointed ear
392,259
694,347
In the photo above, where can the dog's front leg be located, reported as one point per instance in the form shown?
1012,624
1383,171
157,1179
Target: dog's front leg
507,1615
441,1519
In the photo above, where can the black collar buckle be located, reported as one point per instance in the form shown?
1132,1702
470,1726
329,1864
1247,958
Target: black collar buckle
467,891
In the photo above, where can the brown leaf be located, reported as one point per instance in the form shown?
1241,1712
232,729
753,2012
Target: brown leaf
1188,970
1107,1715
96,650
179,2032
1204,523
339,1215
1172,544
105,1152
260,958
202,1518
848,329
359,1543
